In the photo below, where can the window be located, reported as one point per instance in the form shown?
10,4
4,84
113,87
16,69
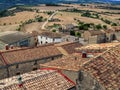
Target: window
35,63
46,38
34,69
17,66
52,58
46,42
18,73
41,42
53,39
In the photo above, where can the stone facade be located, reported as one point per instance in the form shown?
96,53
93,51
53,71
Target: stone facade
86,82
23,67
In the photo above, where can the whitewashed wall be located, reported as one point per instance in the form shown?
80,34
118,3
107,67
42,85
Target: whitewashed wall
44,39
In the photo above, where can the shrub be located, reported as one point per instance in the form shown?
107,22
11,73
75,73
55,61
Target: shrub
72,33
53,30
78,34
104,26
98,26
114,24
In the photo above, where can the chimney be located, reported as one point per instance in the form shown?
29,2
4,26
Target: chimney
84,54
6,47
11,46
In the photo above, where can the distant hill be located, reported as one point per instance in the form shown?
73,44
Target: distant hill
9,3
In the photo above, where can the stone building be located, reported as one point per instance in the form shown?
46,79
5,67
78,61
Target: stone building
94,48
45,79
69,65
101,73
94,36
67,48
49,37
91,71
15,38
26,59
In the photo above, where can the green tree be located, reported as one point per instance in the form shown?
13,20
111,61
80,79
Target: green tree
53,30
114,24
78,34
105,27
72,33
98,26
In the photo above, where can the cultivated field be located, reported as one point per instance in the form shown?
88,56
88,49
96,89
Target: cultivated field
9,27
20,17
68,18
36,26
51,8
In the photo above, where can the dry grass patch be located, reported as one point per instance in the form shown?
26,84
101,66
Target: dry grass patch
20,17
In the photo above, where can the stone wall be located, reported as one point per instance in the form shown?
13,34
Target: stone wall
3,72
86,82
23,67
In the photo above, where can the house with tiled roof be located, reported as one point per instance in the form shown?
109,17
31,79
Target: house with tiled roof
49,37
45,79
70,65
94,36
97,47
16,38
23,60
68,48
101,73
91,71
3,70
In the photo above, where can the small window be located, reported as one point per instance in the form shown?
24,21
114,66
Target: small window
41,42
46,42
34,69
52,58
53,39
17,66
18,73
35,63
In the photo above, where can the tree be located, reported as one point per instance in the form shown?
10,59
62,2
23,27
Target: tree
114,24
53,30
4,24
105,27
98,26
78,34
72,33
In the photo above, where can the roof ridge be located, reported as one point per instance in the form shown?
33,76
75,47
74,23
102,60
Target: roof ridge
26,48
99,55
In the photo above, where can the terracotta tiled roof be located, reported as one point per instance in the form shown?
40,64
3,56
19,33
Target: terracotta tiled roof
38,80
13,36
106,68
1,63
116,28
73,62
51,34
97,47
96,32
69,47
27,54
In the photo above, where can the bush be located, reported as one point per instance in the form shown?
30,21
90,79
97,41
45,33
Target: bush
107,21
78,34
98,26
114,24
53,30
104,26
4,24
72,33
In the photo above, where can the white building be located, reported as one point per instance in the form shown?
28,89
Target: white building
49,37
